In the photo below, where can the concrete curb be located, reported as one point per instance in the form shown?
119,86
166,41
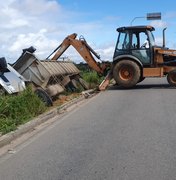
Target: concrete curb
7,138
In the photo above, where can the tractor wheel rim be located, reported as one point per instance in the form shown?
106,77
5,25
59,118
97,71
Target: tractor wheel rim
126,73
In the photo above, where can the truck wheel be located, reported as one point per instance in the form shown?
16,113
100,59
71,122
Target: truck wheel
171,78
44,96
2,91
127,73
84,84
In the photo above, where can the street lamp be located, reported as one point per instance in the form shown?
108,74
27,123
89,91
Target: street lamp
149,16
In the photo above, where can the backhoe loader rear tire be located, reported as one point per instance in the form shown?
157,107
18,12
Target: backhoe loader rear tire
127,73
171,78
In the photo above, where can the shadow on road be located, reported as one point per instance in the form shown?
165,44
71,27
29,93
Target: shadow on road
143,86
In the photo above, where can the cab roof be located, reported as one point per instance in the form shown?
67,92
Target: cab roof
135,28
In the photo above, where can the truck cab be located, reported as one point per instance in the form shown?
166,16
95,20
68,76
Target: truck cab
11,82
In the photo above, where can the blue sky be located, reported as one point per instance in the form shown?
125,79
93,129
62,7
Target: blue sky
45,23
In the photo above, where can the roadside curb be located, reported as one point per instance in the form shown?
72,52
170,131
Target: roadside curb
29,126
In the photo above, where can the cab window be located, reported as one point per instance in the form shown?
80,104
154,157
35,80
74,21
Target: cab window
123,41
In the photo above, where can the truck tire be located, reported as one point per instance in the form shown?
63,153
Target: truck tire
2,91
171,78
43,95
126,73
84,84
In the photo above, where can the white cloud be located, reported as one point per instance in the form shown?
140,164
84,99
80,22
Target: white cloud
39,40
158,24
39,7
11,18
106,52
28,23
44,24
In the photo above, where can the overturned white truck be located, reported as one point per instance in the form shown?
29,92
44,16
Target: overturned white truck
11,82
49,78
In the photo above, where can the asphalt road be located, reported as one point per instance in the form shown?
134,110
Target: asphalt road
117,135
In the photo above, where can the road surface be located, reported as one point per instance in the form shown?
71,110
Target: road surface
117,135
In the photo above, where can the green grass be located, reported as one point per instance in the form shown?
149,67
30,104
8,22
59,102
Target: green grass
92,78
17,110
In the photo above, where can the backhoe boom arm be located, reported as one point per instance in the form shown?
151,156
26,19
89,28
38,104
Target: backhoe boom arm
82,48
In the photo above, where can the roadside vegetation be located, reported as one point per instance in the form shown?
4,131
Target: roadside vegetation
89,75
19,109
92,78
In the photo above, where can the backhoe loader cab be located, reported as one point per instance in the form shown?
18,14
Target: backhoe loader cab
135,41
136,57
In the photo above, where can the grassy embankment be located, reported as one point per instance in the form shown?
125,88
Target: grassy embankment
17,110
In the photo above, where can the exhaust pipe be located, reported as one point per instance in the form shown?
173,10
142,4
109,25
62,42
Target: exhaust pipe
164,41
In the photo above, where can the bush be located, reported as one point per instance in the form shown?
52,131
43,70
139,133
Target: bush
16,110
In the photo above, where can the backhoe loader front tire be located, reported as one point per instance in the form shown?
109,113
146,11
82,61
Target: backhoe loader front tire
126,73
171,78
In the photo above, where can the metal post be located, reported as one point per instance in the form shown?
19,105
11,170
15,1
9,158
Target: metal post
135,19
